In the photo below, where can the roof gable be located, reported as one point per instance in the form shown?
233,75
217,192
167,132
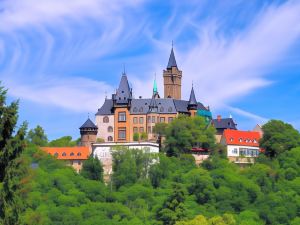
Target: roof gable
243,138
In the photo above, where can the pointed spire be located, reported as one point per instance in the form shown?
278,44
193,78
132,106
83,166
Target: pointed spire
154,85
192,102
153,108
172,60
123,93
88,124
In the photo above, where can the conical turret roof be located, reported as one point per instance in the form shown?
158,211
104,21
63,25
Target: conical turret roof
192,100
172,60
88,124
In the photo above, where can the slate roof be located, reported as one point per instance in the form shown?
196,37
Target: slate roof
123,92
153,108
88,124
224,123
172,60
192,100
141,106
106,108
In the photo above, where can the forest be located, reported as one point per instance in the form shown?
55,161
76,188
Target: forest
35,188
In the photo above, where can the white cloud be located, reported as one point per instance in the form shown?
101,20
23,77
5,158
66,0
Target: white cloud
225,69
77,94
258,119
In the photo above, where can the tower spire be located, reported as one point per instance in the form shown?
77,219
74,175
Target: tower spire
172,60
192,102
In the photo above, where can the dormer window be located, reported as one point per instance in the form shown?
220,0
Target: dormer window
254,141
72,154
141,109
64,154
135,109
231,139
240,140
170,109
78,154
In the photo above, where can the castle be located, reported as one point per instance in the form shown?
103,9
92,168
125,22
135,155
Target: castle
122,116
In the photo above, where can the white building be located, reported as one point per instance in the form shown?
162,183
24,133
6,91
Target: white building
242,146
103,152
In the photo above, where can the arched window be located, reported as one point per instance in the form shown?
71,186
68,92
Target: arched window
135,109
72,154
161,109
64,154
170,109
141,109
110,129
78,154
105,119
110,138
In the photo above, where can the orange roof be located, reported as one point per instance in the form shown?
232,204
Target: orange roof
67,153
244,138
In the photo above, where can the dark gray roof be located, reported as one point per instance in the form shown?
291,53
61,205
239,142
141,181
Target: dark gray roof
224,123
123,92
192,100
106,108
200,106
153,108
141,106
88,124
172,60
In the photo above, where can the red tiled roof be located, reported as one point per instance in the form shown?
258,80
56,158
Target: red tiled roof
244,138
67,153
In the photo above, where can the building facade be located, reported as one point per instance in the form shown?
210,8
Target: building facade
122,116
242,147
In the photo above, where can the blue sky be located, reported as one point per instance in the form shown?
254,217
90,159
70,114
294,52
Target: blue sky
61,57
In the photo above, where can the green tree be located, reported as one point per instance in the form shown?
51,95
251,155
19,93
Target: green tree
136,137
12,144
65,141
186,132
92,169
144,136
173,208
37,136
160,130
278,137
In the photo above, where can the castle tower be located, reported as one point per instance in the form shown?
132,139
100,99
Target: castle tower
192,105
88,132
172,79
122,104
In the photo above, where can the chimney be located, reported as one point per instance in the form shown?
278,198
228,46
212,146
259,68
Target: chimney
140,97
219,118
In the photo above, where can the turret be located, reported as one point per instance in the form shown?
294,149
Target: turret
192,105
172,78
88,132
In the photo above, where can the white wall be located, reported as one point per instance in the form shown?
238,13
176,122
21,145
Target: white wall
103,151
102,127
231,148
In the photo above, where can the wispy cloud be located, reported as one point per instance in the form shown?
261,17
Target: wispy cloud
226,68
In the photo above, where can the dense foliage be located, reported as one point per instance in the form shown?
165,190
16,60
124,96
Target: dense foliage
92,169
35,188
187,132
279,137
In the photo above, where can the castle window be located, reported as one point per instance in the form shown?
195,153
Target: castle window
141,109
141,129
122,133
141,120
170,109
149,130
64,154
162,119
149,119
231,139
153,119
161,109
240,139
135,109
109,138
78,154
105,119
135,120
135,130
122,116
72,154
170,119
110,129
